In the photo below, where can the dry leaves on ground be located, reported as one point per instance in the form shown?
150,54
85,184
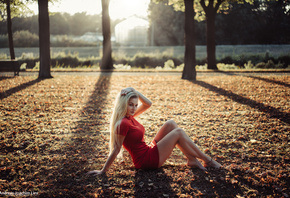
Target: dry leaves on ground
53,131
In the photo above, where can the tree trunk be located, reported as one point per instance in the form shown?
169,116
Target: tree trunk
10,34
44,39
189,71
210,38
107,62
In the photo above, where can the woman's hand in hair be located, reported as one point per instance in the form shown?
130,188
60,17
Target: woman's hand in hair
126,91
95,173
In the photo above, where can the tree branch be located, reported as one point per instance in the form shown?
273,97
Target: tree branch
219,2
202,3
210,3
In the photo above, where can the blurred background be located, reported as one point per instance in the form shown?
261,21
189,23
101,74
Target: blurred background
244,32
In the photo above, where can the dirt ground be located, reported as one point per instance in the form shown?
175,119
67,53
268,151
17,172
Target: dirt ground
53,131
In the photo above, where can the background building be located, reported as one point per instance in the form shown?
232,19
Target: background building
132,32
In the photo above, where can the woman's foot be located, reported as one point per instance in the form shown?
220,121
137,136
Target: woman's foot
195,164
212,163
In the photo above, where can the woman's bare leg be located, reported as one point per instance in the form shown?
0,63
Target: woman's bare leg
167,127
186,145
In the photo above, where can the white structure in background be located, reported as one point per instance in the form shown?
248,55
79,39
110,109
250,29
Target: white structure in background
132,32
91,37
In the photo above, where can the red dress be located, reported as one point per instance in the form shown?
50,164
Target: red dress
144,156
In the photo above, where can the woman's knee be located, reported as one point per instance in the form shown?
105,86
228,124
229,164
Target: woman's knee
179,132
180,135
172,124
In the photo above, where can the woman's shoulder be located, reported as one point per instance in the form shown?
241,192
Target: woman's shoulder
125,121
124,124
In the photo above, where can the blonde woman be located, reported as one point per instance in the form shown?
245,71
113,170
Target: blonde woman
127,131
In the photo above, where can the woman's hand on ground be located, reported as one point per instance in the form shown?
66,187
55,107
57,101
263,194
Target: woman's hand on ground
95,173
126,91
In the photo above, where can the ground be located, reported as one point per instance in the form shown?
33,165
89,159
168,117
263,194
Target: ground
54,131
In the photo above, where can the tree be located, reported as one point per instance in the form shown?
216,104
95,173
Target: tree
9,28
107,62
276,15
12,8
210,12
189,71
44,39
59,25
208,9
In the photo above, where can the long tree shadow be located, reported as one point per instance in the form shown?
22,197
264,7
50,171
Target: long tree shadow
227,73
13,90
81,148
5,77
230,183
273,112
214,183
270,81
153,183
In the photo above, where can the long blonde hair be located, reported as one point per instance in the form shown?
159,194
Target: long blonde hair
119,112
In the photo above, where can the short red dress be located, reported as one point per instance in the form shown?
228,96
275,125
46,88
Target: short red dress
143,155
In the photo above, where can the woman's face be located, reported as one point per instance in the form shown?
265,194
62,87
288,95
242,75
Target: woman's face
132,106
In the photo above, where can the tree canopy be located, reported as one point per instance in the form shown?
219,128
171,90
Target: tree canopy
241,23
18,9
257,23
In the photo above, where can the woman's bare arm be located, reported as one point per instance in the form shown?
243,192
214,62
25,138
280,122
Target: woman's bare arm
111,158
146,104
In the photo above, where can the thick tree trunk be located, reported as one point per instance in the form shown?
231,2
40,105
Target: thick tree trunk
107,62
189,71
44,39
210,38
10,34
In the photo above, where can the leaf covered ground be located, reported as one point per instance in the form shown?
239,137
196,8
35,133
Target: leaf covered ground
53,131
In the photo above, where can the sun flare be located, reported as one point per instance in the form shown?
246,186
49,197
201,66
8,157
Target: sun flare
124,8
118,9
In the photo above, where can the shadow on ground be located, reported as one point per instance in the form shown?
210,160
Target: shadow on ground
270,81
68,180
154,183
271,111
13,90
5,77
214,183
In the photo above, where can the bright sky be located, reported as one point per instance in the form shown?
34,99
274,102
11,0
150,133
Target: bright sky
118,8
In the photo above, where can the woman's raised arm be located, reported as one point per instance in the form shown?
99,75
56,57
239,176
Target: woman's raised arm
146,104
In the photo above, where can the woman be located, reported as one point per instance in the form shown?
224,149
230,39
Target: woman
126,131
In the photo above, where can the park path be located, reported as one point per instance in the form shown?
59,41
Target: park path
159,73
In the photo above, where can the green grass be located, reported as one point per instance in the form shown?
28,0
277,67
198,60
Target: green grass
228,57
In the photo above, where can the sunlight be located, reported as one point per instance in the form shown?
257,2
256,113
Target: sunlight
132,31
120,9
70,6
